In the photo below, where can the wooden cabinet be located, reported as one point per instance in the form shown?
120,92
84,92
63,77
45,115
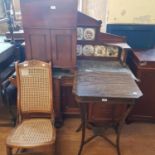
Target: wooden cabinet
50,31
143,65
57,46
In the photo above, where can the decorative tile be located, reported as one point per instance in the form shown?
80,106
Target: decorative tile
112,51
100,50
88,50
89,34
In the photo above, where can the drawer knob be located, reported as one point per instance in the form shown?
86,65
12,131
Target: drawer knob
53,7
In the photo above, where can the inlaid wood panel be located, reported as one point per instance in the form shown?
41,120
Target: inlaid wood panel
105,112
63,48
38,44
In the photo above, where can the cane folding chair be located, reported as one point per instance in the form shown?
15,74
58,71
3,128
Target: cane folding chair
35,107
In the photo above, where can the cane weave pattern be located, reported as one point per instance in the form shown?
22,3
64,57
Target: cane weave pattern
35,89
32,132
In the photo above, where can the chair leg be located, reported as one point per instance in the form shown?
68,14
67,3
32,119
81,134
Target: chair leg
9,150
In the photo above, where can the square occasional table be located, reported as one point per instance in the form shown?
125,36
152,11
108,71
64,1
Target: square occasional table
104,88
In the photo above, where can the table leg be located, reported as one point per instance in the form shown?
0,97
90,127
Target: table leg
83,125
120,125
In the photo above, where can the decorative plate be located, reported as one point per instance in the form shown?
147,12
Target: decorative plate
79,33
79,50
89,34
112,51
100,51
88,50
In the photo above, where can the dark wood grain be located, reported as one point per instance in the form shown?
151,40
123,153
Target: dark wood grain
63,48
84,20
38,13
143,65
50,31
105,85
38,44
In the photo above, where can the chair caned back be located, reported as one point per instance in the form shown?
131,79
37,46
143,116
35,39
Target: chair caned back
34,83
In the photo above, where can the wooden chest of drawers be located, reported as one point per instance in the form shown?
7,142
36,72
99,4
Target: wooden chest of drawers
143,66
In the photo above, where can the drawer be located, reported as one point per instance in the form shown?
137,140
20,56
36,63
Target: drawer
105,112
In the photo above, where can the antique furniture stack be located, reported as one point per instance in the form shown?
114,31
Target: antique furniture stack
86,61
56,31
48,27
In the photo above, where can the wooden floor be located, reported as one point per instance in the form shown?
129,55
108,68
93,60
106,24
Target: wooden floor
136,139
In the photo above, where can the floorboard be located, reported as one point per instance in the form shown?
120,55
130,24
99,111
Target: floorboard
136,139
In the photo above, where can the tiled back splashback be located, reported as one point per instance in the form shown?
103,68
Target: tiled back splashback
97,50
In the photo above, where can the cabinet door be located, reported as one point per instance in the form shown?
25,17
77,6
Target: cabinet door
63,48
37,44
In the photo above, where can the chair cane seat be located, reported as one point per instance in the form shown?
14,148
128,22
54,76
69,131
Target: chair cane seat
32,132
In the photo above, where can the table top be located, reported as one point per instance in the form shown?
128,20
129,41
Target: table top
105,85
